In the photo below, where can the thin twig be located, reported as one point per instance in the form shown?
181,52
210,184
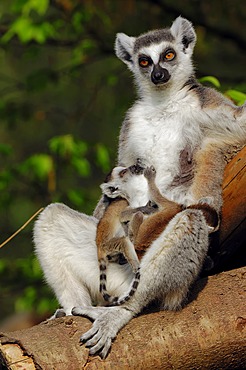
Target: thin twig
22,227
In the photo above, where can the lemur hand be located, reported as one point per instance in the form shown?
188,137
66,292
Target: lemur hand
107,322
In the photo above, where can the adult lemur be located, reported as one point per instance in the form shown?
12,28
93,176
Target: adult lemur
127,185
174,120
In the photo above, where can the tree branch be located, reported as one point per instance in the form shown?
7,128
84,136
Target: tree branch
209,333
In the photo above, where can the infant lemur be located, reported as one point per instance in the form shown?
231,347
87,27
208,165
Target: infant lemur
124,186
178,126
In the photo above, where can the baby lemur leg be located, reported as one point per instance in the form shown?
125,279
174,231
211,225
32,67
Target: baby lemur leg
154,225
134,225
155,195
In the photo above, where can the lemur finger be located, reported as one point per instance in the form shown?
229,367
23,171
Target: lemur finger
88,335
105,349
94,340
99,346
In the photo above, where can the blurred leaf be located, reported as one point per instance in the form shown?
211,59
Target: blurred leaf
102,157
82,166
40,6
27,31
76,197
26,301
66,146
77,21
81,51
2,266
26,6
62,145
38,164
44,305
238,96
211,79
80,148
5,178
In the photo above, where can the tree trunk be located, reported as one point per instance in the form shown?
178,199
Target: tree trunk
228,247
209,333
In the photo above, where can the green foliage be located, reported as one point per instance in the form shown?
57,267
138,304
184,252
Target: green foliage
211,79
25,26
26,6
38,165
102,157
237,96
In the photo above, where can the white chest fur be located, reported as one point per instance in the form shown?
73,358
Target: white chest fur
157,135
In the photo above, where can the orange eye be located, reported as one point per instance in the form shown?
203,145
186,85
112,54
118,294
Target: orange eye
169,55
144,63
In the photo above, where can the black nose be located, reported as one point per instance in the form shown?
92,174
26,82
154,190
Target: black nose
159,75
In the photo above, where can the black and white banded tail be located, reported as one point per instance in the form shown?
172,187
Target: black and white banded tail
116,301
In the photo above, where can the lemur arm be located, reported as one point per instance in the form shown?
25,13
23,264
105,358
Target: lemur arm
208,177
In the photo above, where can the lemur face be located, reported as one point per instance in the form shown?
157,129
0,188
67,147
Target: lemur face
155,56
161,56
124,181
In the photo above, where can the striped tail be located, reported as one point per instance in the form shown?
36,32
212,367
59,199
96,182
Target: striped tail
103,280
135,282
116,301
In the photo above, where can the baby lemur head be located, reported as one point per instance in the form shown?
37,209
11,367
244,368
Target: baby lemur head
126,182
159,58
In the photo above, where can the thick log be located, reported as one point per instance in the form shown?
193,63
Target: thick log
209,333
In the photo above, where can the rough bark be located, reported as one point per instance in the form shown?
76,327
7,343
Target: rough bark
209,333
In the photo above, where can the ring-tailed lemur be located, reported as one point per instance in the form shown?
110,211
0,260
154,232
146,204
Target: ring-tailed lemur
174,120
122,187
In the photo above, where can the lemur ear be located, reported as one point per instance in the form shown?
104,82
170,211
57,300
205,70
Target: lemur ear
124,48
184,33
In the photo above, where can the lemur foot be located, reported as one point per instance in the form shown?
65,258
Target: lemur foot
60,312
107,322
150,173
